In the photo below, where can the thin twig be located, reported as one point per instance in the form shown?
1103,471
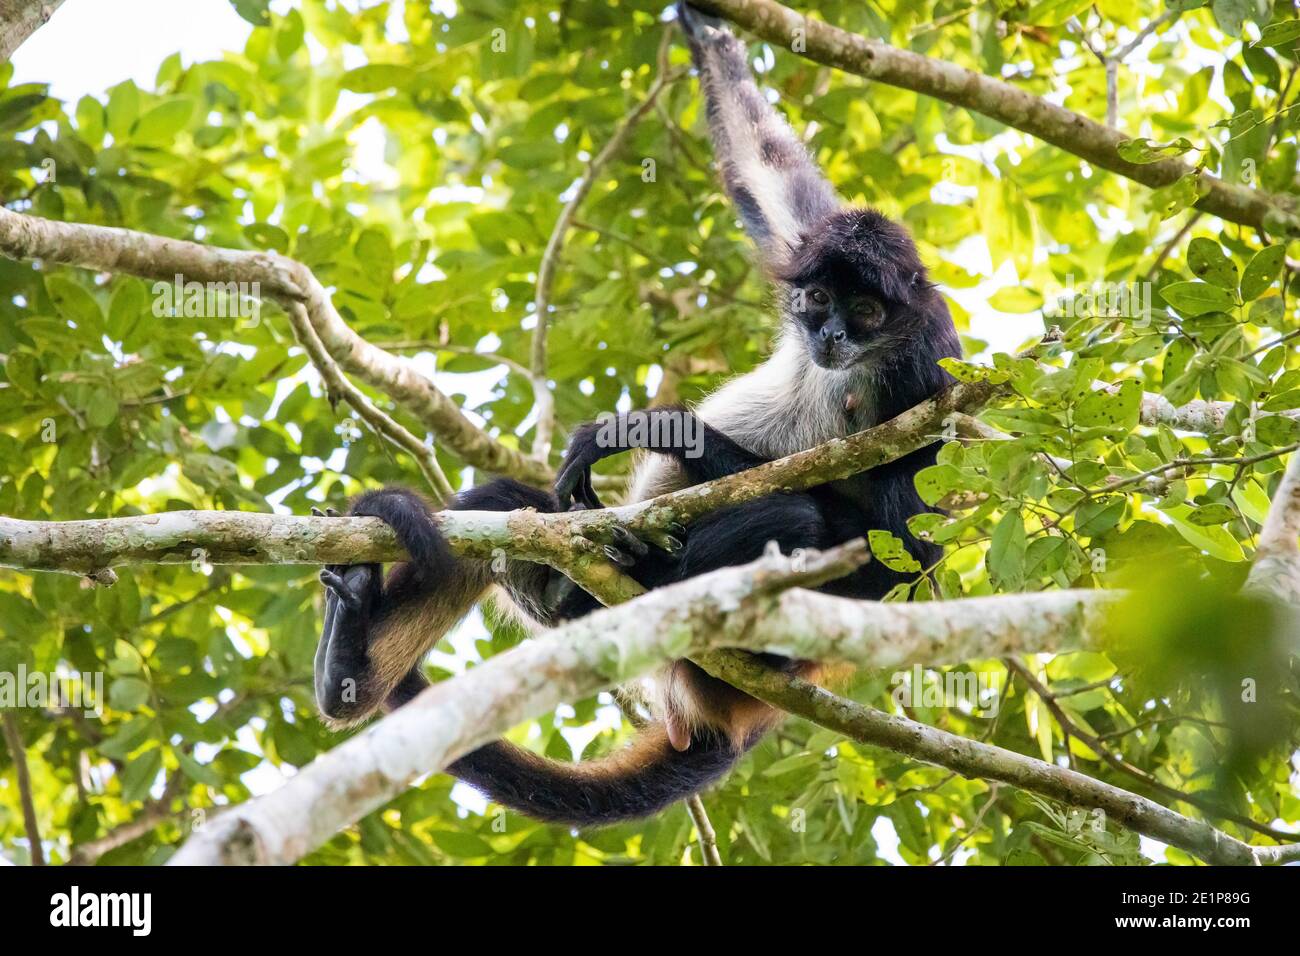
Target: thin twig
1095,744
704,828
14,739
385,426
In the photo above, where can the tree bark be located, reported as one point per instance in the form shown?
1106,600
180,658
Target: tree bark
19,19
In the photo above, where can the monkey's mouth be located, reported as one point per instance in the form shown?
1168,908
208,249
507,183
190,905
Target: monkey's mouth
838,357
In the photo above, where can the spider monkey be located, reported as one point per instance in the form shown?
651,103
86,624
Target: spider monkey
862,331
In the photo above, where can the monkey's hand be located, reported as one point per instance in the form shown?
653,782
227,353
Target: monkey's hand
586,447
695,22
663,430
352,592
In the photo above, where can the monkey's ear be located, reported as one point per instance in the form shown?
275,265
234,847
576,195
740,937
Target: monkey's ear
776,187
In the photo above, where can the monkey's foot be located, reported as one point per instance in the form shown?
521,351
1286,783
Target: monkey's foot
629,549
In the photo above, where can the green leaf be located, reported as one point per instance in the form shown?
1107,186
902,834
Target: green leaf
1211,514
128,305
160,126
375,77
289,36
1261,271
1103,409
936,481
1098,517
1280,33
256,12
1197,298
890,551
1277,430
1252,500
1206,259
140,774
800,761
76,303
1006,555
1144,151
123,108
196,771
128,693
1231,14
463,846
969,372
263,235
1216,541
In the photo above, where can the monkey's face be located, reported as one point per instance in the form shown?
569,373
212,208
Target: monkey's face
841,323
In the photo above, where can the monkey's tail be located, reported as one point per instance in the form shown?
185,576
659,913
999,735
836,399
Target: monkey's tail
643,778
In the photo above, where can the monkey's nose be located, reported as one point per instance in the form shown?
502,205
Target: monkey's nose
840,336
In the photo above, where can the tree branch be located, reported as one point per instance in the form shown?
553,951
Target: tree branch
287,282
704,828
1073,132
1276,570
153,813
1071,728
19,19
735,607
14,739
337,385
971,758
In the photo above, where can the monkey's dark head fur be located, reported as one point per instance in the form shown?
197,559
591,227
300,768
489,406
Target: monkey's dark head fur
856,288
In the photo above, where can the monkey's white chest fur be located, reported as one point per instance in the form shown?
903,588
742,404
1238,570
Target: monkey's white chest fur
786,405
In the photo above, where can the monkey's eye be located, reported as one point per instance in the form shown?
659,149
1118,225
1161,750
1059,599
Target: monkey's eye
819,296
871,309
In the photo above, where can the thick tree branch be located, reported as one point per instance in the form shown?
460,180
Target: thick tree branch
19,19
1085,138
287,282
1276,570
971,758
746,607
567,541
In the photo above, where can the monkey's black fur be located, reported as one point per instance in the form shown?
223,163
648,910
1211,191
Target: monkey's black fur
865,330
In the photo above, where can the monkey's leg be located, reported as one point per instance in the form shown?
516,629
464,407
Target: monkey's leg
407,689
352,595
689,696
376,631
376,634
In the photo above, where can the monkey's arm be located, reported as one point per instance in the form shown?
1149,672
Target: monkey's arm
773,182
704,452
